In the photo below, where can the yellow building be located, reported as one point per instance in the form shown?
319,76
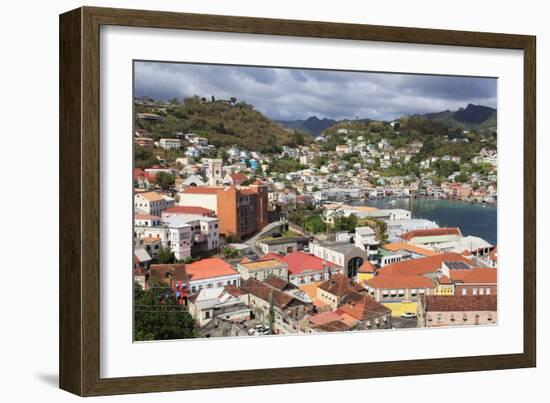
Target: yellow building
365,272
444,286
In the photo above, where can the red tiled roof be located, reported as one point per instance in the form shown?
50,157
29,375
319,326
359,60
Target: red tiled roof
265,292
460,303
238,178
160,271
278,283
209,268
201,189
189,210
333,326
430,232
423,265
299,262
444,280
339,285
146,217
366,267
233,290
476,275
271,256
323,317
364,308
412,281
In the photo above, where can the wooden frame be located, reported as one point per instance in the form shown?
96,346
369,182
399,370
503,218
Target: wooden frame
79,200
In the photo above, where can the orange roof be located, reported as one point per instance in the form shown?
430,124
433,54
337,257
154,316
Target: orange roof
324,317
423,265
476,276
151,239
189,210
364,308
262,264
400,282
444,280
346,318
321,305
410,248
209,268
310,289
366,267
202,189
151,196
430,232
146,217
238,177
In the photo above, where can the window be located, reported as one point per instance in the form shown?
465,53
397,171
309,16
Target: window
474,291
481,291
464,291
488,291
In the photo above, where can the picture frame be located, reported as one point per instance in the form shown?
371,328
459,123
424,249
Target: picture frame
80,155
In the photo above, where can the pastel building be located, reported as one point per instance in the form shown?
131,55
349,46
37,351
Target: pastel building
152,203
242,210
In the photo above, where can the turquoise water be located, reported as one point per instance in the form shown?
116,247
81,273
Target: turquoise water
473,219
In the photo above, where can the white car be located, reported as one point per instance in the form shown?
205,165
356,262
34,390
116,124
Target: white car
408,315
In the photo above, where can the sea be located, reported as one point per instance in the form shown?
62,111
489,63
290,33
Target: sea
472,219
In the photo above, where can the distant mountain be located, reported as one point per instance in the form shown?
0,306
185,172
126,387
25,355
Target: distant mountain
313,125
471,117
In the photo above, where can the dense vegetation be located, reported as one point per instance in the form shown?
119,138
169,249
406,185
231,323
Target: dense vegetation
158,317
223,122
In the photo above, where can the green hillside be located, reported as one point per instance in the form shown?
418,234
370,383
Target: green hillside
223,122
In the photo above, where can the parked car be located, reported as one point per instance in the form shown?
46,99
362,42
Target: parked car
408,315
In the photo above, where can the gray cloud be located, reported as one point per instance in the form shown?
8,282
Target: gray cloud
290,94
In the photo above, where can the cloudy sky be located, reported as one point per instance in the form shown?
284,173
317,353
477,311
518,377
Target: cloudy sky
288,94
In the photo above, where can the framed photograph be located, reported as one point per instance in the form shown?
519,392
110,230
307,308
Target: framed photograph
248,201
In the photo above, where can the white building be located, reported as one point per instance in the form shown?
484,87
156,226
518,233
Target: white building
212,303
204,230
177,238
213,171
152,203
169,144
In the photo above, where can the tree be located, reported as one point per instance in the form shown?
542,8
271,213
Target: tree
143,158
165,255
343,223
165,180
461,177
230,252
315,224
157,316
233,100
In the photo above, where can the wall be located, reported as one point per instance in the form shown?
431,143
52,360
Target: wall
29,95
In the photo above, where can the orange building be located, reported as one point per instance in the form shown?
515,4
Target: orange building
242,210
